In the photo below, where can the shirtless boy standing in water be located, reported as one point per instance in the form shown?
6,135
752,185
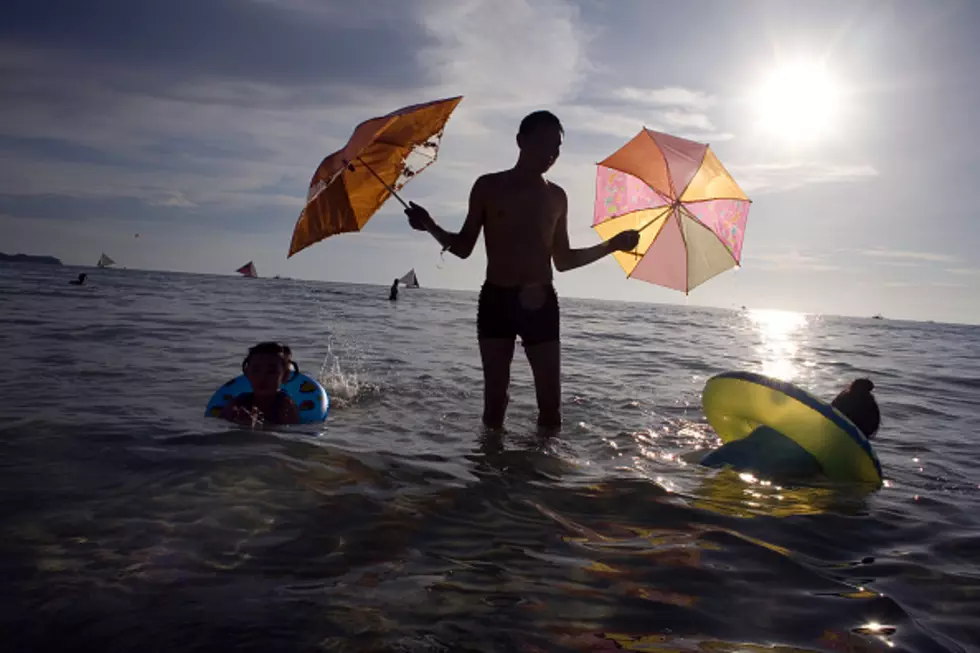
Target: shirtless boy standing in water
525,219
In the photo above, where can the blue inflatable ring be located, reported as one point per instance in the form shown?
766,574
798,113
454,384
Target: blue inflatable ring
309,395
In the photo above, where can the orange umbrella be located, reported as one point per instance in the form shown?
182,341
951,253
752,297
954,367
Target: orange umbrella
382,155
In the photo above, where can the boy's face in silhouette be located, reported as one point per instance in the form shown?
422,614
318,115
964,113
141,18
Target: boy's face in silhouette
541,146
266,372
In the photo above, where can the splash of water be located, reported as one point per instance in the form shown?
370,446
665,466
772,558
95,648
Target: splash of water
343,380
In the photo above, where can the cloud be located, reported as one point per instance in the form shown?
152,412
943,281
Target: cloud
923,284
780,177
682,119
175,198
671,96
621,123
201,104
219,39
967,272
788,261
504,54
624,122
676,110
893,255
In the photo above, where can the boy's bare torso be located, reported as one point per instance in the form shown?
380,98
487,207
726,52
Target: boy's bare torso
520,218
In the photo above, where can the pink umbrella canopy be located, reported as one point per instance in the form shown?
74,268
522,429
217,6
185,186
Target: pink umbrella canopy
690,212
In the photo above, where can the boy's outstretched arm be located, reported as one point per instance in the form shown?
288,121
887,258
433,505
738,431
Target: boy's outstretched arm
566,258
461,244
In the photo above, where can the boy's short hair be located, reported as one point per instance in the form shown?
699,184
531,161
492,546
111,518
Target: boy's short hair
274,348
536,119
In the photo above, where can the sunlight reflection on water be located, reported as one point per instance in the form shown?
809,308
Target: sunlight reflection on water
781,333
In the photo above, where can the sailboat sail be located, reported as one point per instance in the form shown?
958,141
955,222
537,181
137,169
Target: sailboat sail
410,280
248,270
104,261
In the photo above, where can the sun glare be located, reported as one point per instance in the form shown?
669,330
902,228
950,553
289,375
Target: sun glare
780,334
798,102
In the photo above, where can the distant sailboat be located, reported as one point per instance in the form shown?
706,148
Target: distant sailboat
104,261
248,270
410,280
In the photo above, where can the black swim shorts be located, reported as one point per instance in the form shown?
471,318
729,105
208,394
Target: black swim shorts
530,312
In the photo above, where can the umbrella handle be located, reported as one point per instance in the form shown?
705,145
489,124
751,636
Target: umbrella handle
383,182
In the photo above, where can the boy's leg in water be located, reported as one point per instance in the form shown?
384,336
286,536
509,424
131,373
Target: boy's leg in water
545,360
497,354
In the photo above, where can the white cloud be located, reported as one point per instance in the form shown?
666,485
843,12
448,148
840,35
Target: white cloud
679,111
778,177
625,122
589,119
686,119
506,53
908,256
923,284
790,261
175,198
967,272
671,96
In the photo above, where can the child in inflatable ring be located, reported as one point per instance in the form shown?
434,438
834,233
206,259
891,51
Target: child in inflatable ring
767,452
267,366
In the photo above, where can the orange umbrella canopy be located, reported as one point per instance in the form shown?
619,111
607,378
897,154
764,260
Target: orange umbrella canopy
382,155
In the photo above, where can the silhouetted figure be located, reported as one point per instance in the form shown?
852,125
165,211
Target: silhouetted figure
524,217
394,291
80,281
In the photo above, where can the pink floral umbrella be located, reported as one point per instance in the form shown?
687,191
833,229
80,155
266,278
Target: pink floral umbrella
689,211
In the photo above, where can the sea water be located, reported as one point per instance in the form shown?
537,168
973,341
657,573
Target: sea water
132,522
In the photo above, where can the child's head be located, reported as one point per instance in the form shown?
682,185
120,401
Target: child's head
267,366
859,405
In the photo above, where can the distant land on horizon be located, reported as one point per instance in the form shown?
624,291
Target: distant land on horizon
29,258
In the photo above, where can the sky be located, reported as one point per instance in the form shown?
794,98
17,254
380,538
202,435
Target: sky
197,124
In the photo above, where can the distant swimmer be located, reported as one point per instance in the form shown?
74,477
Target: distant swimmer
525,222
393,295
267,366
80,281
776,449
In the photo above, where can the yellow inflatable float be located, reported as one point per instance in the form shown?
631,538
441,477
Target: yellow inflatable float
738,403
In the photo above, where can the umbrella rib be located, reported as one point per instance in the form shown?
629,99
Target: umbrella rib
690,215
653,220
687,266
715,199
667,200
383,182
710,231
670,177
400,146
636,253
691,180
697,220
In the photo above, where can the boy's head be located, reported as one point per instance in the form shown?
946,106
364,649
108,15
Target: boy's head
267,366
859,405
539,137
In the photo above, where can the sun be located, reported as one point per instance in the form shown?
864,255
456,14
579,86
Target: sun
798,102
